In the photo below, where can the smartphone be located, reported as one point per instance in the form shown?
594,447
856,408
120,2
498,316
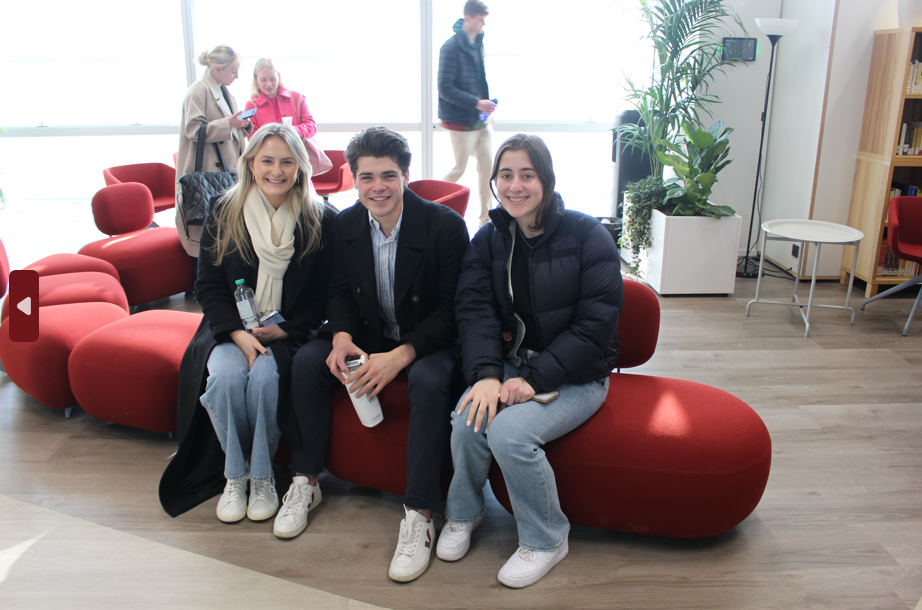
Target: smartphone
273,317
247,113
546,397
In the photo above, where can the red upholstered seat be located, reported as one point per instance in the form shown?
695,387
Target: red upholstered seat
662,456
83,287
127,372
449,194
373,457
151,263
39,368
159,178
336,180
57,264
123,208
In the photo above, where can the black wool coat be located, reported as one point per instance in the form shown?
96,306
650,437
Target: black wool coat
433,239
576,291
196,472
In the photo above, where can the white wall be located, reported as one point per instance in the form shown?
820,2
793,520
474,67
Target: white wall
741,91
792,136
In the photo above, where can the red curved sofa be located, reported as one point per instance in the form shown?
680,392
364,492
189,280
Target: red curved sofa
662,456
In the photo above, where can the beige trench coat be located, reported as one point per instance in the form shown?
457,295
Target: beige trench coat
205,102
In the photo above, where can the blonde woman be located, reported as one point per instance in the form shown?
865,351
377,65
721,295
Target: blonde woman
276,104
209,101
234,387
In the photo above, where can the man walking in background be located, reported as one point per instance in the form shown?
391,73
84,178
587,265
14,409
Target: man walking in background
464,95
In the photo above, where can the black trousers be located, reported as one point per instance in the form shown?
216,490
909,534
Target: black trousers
431,396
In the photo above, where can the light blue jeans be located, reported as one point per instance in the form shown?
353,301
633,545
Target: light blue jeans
243,404
515,439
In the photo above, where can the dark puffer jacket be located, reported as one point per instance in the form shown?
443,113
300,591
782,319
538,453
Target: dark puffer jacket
461,79
576,291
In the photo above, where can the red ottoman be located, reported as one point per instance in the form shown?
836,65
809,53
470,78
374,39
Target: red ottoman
372,457
151,263
40,368
127,372
662,456
86,287
56,264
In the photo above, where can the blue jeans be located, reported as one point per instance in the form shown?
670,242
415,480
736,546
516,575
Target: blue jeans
515,439
242,404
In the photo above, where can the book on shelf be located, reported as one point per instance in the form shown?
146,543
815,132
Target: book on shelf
889,265
914,82
910,142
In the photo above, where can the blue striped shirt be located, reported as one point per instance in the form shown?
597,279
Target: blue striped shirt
385,249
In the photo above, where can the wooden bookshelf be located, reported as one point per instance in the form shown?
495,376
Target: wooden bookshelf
886,107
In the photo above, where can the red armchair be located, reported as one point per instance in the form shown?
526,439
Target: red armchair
336,180
159,178
450,194
151,263
904,236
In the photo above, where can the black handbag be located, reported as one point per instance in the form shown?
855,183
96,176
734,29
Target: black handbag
198,188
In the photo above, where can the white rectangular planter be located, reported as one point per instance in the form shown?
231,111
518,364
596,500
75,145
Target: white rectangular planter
690,254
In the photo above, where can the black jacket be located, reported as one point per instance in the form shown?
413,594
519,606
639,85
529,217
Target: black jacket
433,239
576,292
461,80
196,473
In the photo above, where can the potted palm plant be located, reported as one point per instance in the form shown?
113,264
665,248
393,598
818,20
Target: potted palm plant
684,36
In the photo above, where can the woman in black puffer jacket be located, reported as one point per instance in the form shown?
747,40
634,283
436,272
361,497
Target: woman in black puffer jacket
537,308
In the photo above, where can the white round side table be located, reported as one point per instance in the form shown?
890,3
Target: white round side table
808,231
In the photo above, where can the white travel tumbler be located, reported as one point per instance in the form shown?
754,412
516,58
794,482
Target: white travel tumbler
367,408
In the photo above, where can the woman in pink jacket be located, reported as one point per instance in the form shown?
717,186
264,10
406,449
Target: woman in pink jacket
276,104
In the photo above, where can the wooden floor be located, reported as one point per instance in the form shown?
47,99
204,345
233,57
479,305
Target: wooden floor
839,526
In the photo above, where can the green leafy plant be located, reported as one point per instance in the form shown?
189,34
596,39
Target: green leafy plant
684,35
641,198
696,166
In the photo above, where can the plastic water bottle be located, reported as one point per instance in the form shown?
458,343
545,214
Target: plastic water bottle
483,115
246,305
367,407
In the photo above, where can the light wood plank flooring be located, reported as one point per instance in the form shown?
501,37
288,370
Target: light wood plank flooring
839,526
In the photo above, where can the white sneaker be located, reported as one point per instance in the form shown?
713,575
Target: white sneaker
413,547
264,500
526,567
232,506
301,498
455,539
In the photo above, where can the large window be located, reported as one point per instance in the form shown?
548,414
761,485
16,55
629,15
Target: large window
114,73
355,61
554,65
97,62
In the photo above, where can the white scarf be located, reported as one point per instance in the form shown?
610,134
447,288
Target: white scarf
272,234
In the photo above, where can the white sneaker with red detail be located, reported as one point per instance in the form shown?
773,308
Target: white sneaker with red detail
301,498
526,566
414,547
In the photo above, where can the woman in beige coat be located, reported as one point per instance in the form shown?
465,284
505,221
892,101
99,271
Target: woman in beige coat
209,101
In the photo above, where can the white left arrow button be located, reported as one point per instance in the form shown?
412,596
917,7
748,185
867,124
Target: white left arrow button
25,306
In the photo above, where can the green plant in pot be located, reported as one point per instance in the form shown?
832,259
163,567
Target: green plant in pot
685,36
641,198
696,166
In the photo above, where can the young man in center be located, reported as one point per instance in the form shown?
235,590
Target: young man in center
392,299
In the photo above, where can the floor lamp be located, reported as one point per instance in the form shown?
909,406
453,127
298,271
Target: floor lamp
774,29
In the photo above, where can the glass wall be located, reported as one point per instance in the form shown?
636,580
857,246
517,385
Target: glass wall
86,70
75,63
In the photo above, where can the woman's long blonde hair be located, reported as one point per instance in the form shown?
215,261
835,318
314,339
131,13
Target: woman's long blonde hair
231,233
264,63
